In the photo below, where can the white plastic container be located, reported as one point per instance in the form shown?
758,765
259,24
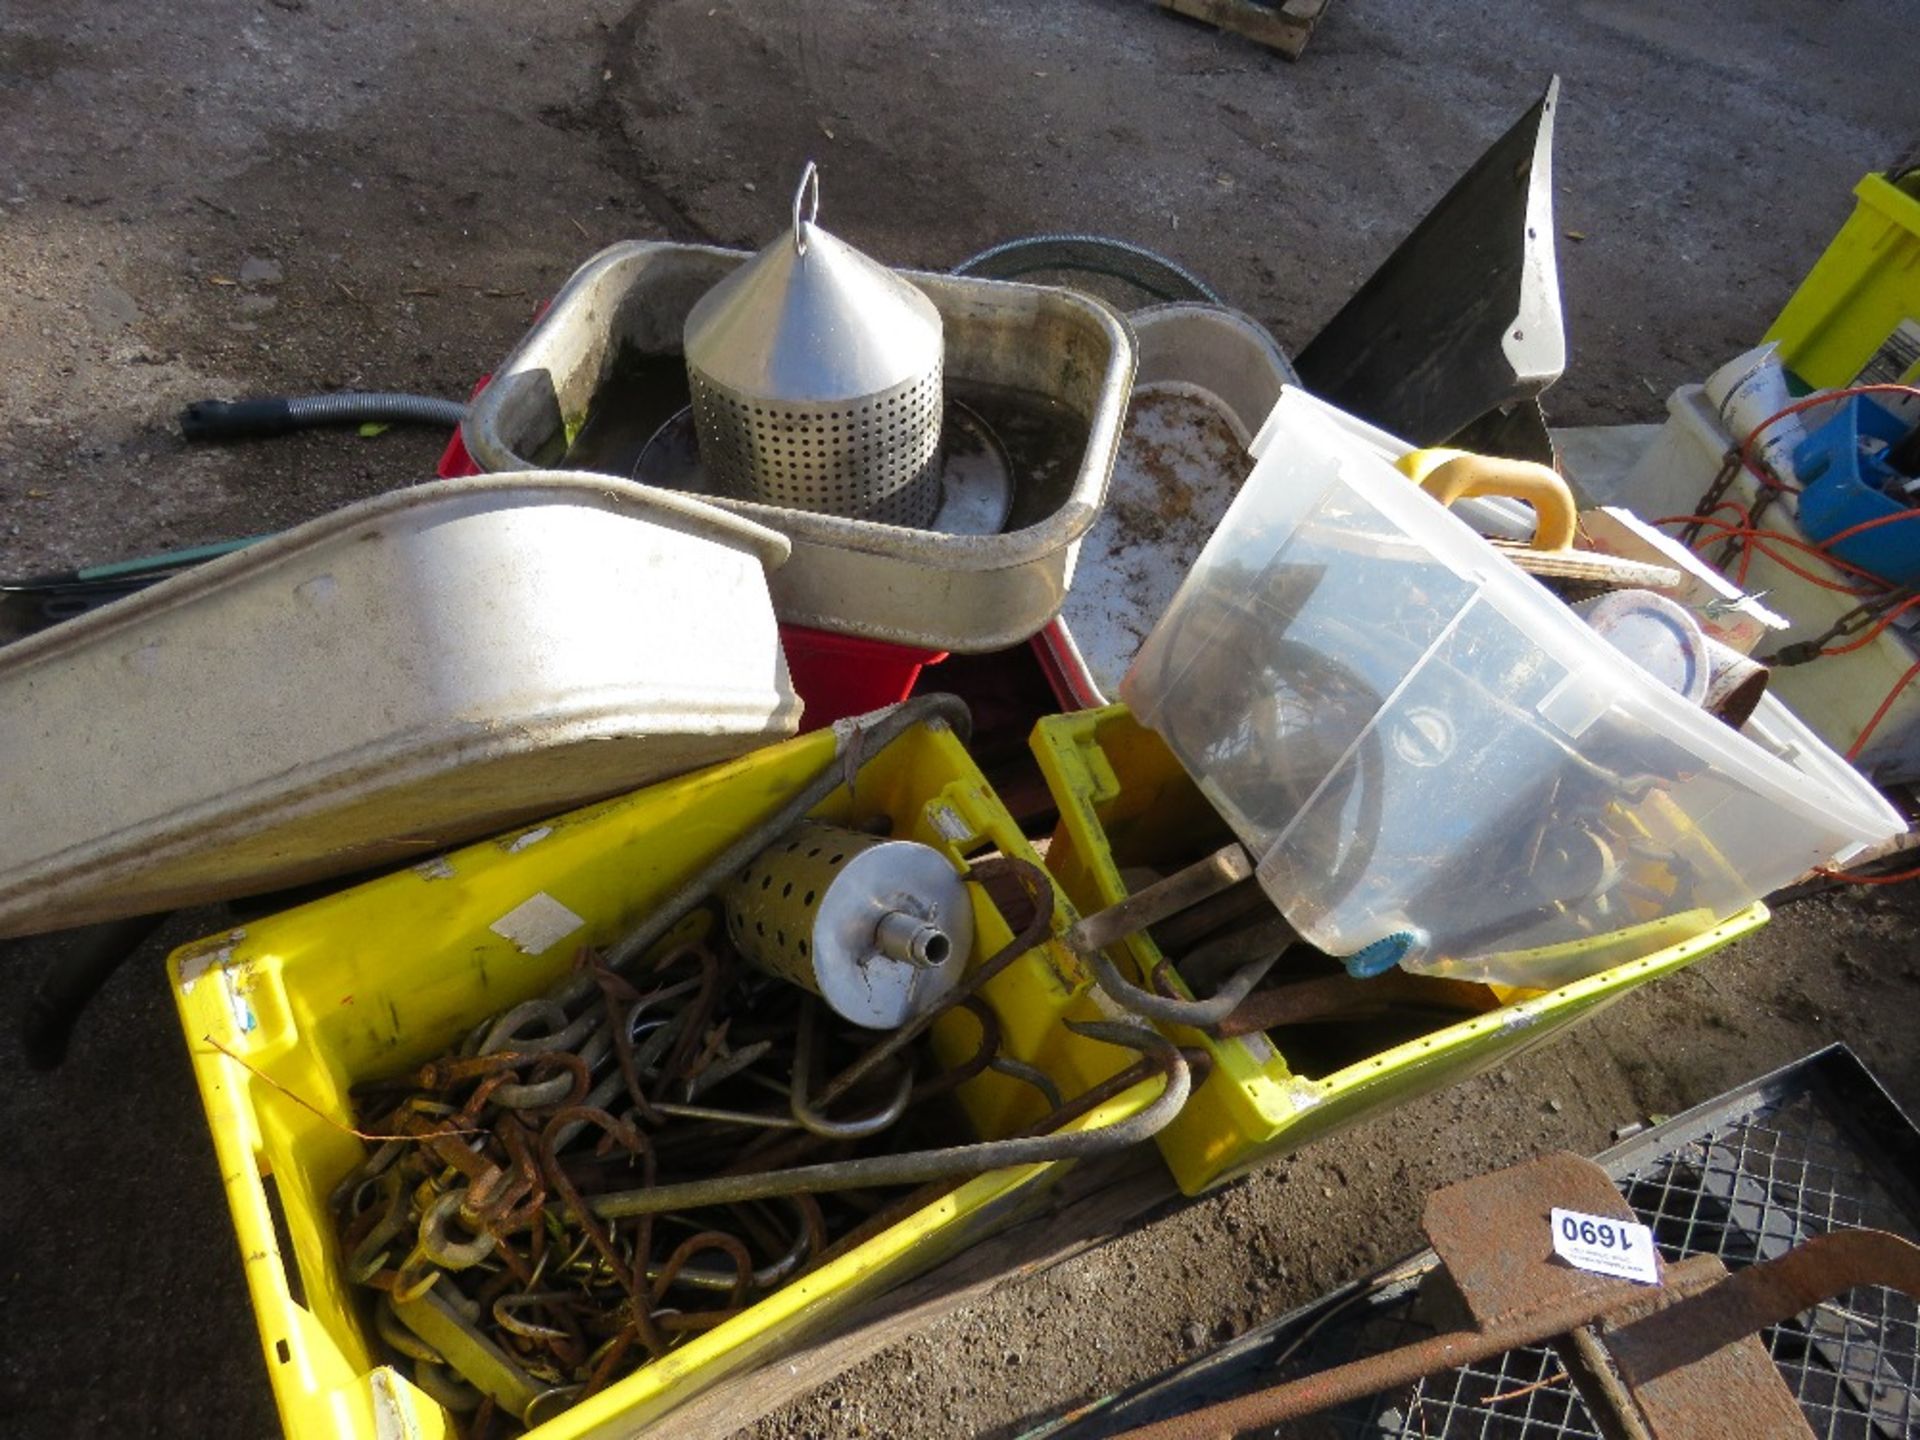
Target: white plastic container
1205,379
428,666
1836,694
1413,736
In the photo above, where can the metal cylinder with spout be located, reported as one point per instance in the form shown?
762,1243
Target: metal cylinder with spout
879,929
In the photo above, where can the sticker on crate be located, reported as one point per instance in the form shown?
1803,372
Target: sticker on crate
1897,359
537,924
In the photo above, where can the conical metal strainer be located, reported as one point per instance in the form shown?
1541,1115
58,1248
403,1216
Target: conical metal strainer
816,378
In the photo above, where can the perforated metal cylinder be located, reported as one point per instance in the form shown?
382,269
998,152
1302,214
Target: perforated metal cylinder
818,382
875,458
880,929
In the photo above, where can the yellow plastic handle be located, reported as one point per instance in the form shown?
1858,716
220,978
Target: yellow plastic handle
1450,475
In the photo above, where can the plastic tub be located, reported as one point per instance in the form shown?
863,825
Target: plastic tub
1835,694
1856,316
377,979
407,672
842,675
1842,489
1126,805
1415,738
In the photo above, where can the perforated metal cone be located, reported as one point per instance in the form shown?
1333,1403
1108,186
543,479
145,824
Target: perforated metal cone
816,378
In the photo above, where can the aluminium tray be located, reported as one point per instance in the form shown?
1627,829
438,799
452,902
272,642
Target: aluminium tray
963,593
1206,378
424,667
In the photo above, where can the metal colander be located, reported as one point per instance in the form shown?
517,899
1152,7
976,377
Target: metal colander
816,379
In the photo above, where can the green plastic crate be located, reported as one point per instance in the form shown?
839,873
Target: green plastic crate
1856,317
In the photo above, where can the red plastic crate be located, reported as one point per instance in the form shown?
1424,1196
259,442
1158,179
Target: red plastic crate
842,675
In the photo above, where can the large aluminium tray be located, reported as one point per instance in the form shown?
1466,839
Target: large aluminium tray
420,668
968,593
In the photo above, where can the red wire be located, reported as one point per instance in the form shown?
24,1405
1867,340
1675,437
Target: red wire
1807,403
1874,634
1823,549
1733,505
1859,744
1852,879
1755,536
1873,524
1798,543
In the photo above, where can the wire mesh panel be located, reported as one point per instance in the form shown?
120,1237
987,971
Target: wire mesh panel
1814,1148
1752,1189
1521,1395
1780,1164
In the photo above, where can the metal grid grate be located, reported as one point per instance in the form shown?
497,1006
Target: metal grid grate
1521,1395
1813,1148
1754,1188
1745,1189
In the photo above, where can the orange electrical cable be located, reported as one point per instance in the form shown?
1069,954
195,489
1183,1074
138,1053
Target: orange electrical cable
1796,541
1860,742
1773,482
1733,505
1759,539
1874,634
1755,536
1852,879
1873,524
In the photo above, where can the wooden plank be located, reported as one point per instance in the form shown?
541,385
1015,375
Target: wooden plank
1285,27
1093,1203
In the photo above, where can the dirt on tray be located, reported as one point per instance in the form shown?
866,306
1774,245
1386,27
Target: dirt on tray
262,196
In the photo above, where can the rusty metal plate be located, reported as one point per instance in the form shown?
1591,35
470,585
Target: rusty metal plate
1674,1359
1735,1393
1492,1233
1728,1394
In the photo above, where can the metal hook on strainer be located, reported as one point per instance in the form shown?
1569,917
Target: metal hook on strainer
809,181
816,379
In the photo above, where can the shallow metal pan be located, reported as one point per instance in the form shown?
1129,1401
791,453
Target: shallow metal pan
424,667
966,593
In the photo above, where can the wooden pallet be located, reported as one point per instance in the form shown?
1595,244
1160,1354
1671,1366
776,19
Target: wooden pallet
1283,25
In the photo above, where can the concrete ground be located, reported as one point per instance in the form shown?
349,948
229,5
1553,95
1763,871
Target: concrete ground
228,196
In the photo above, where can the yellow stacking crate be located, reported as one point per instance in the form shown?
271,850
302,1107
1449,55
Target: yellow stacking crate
1856,317
378,979
1125,802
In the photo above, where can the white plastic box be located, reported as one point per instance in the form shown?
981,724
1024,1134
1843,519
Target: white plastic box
1413,736
1836,694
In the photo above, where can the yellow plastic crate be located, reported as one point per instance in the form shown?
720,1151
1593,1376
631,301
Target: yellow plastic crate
378,979
1856,316
1125,802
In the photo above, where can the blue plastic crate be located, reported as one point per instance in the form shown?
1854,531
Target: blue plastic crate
1844,469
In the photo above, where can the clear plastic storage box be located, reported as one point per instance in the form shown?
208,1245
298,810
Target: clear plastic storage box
1413,736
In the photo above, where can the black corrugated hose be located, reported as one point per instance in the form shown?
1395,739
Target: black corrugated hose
265,416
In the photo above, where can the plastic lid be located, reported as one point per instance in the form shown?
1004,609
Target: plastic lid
1657,634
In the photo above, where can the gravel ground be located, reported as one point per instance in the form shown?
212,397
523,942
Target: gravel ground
222,196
